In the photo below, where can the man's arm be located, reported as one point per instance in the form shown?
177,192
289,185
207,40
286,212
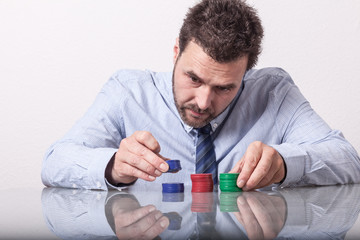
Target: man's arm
80,159
310,151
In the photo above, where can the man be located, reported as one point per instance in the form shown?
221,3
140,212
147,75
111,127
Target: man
259,123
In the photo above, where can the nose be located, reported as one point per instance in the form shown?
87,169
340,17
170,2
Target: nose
204,97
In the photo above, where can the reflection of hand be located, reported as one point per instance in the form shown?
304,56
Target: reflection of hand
135,222
263,216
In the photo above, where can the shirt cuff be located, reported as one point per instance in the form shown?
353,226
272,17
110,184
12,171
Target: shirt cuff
294,158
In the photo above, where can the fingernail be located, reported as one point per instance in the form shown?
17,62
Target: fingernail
163,167
164,223
152,178
241,183
151,209
240,201
157,172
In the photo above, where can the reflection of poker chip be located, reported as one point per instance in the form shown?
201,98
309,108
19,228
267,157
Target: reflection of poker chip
173,197
228,201
202,202
172,187
228,182
202,182
174,166
174,219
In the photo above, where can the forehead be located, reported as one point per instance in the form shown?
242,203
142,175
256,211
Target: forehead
194,59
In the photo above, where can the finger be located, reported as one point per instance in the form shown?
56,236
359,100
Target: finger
148,155
266,214
250,223
130,217
269,170
238,166
161,224
261,171
127,170
251,158
137,229
148,140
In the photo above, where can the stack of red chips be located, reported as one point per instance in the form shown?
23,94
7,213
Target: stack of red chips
202,182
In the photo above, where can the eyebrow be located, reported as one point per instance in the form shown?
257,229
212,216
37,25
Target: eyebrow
192,74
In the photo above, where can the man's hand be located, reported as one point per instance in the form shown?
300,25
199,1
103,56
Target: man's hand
260,166
138,157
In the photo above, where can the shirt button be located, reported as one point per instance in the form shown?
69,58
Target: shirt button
215,125
98,184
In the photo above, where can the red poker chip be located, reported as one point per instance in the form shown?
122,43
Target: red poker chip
202,182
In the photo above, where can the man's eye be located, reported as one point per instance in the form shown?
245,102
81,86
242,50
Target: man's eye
223,89
194,79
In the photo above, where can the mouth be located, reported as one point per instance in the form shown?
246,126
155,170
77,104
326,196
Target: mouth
197,115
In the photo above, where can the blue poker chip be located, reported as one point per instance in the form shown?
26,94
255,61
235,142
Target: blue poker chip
172,187
174,166
174,219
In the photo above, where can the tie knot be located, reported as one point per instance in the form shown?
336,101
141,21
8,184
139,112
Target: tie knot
205,129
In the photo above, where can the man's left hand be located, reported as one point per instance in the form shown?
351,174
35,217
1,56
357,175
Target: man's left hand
260,166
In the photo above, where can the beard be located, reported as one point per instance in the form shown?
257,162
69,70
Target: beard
184,109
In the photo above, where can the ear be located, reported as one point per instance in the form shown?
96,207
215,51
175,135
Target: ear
176,50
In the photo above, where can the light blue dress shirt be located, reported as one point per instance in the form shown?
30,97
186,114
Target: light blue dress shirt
269,108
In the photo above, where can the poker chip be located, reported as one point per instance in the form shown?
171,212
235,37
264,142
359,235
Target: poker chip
228,182
174,219
174,166
172,187
202,182
202,202
173,197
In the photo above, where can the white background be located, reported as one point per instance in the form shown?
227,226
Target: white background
56,55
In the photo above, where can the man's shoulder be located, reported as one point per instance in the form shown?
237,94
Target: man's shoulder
126,75
268,75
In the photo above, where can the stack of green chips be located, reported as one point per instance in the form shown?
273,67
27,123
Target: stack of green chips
228,182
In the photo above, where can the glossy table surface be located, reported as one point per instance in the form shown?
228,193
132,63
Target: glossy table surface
330,212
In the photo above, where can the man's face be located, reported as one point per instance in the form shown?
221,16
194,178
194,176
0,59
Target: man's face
202,87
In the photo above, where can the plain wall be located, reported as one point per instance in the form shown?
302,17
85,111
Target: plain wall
56,55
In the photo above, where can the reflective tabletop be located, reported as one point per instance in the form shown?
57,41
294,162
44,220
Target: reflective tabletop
330,212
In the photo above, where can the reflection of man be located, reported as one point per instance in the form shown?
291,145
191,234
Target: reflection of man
260,124
300,213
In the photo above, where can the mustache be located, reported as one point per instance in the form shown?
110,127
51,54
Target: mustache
195,108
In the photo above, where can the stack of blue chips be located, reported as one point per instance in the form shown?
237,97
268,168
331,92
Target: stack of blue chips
172,187
174,166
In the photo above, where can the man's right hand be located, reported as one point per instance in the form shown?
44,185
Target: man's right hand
138,157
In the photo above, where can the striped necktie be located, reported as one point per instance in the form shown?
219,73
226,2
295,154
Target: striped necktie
205,154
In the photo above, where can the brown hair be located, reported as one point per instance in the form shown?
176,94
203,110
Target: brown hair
225,29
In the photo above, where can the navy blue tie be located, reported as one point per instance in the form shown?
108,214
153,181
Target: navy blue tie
205,153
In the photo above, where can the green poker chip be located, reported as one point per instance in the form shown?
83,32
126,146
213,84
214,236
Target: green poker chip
228,182
229,176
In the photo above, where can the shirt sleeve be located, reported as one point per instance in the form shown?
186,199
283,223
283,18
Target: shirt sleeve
80,158
314,154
